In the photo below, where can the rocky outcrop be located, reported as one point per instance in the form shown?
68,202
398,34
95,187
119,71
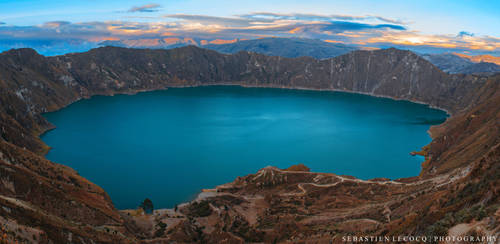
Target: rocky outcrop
53,201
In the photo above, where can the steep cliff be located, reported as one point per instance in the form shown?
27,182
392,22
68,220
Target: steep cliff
55,202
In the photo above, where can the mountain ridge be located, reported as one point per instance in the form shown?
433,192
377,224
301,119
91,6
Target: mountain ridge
273,46
285,47
298,47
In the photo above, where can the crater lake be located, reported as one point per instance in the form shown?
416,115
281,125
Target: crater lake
168,145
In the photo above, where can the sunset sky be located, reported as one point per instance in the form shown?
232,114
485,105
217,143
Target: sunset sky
424,25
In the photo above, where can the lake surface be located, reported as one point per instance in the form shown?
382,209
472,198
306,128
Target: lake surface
168,145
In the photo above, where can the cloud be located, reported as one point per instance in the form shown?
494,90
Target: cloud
464,33
203,27
413,39
56,24
2,23
341,26
266,18
205,19
148,8
266,24
299,16
364,31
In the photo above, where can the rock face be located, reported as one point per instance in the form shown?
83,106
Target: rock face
52,203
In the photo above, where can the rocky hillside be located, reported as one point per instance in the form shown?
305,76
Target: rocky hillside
45,201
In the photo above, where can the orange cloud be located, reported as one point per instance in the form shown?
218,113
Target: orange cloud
171,40
168,34
221,41
349,34
295,30
369,48
442,41
333,41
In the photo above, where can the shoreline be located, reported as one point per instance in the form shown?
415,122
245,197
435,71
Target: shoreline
319,90
51,126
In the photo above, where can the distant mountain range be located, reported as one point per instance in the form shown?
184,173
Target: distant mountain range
285,47
156,43
48,47
463,64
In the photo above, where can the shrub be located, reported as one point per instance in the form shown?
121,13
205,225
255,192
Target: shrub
161,229
298,167
200,209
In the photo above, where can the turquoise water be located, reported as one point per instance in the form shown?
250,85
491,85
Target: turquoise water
168,145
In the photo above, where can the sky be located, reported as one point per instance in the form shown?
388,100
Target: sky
464,26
